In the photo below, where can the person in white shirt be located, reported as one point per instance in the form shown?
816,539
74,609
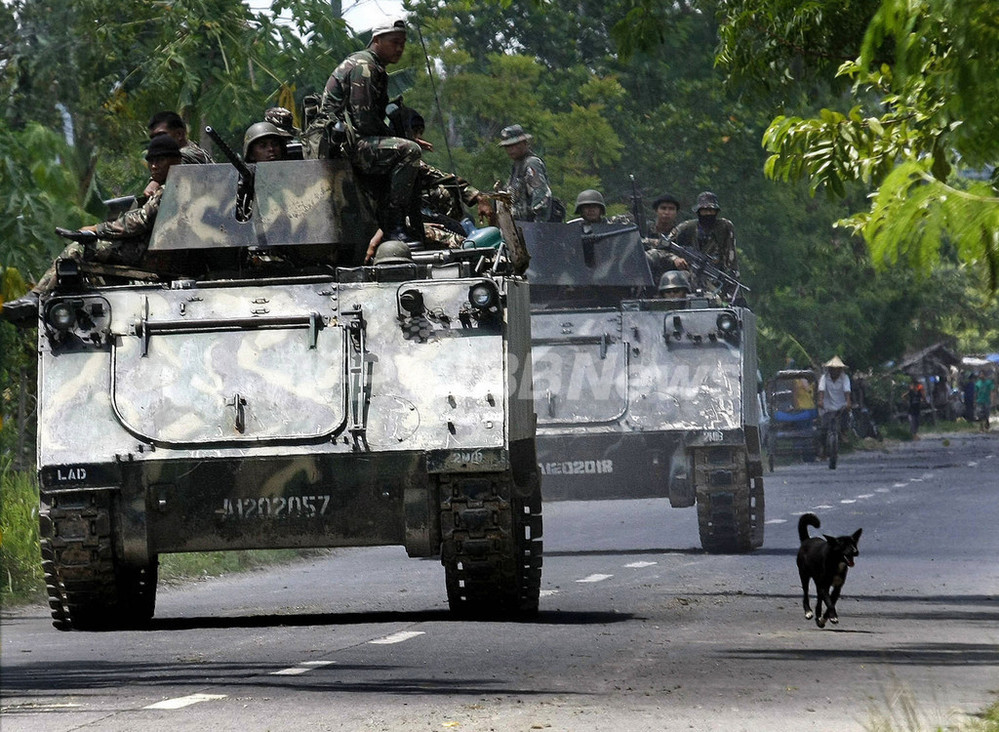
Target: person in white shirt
834,395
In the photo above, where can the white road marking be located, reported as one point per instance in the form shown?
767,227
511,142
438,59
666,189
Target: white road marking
301,668
819,508
776,521
915,480
899,485
399,637
185,701
639,565
973,464
883,490
866,495
548,593
849,500
595,578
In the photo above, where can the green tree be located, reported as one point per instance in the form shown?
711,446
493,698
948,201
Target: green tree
920,130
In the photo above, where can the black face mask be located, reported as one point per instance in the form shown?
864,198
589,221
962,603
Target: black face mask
706,222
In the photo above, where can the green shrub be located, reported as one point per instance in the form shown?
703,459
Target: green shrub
20,557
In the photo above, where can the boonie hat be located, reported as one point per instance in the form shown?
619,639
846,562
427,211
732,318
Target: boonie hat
394,25
512,135
162,146
835,363
707,199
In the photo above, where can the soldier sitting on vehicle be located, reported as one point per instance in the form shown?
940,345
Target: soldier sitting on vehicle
170,123
666,206
356,97
121,241
710,234
590,208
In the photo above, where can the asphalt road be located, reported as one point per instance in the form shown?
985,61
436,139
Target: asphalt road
638,630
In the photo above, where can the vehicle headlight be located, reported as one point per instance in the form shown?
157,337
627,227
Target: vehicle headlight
727,323
61,316
483,296
411,301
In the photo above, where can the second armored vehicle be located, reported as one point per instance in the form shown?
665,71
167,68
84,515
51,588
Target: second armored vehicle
640,396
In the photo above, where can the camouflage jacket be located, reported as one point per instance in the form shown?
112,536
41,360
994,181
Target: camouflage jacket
357,92
135,223
532,197
443,191
194,154
718,242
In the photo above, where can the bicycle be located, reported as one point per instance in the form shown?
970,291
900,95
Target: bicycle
832,435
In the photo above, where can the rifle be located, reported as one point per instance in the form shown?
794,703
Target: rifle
244,189
701,266
636,207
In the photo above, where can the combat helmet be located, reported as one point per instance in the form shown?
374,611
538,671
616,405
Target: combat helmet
392,252
512,135
707,199
591,196
674,280
258,130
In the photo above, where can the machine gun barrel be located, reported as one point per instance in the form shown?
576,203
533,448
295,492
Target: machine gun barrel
636,206
702,266
244,172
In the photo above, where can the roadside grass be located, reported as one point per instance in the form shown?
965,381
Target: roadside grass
20,558
899,712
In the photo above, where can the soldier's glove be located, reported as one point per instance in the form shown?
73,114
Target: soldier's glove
75,235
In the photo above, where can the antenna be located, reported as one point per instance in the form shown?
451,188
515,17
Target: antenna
437,100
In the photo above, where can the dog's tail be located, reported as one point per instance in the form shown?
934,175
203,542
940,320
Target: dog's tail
806,520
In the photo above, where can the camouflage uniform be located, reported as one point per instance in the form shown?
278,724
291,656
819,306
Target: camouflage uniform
357,94
532,196
194,154
717,242
444,193
121,241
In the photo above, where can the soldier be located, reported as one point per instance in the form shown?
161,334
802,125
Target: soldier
532,196
170,123
710,234
121,241
264,142
356,94
590,208
667,206
674,285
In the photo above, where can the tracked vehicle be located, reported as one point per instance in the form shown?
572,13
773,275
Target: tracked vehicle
638,396
254,385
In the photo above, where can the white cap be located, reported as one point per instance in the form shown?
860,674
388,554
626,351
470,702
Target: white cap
389,25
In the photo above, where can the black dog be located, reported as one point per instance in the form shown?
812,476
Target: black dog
825,561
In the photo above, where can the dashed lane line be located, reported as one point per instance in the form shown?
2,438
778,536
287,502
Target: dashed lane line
185,701
595,578
301,668
399,637
775,521
639,565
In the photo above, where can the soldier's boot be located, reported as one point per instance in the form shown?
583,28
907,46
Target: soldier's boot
395,225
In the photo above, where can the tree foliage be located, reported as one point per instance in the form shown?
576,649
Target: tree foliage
918,126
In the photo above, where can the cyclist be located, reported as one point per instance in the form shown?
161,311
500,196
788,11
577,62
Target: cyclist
833,399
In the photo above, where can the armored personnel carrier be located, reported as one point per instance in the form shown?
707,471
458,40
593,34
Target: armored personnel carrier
259,387
639,396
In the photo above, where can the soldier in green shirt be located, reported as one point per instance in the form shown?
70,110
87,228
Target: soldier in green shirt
356,94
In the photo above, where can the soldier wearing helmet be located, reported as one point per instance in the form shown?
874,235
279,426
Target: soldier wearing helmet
709,233
392,252
356,95
674,285
532,196
590,208
264,142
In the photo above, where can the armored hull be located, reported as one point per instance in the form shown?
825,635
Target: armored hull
354,407
638,396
